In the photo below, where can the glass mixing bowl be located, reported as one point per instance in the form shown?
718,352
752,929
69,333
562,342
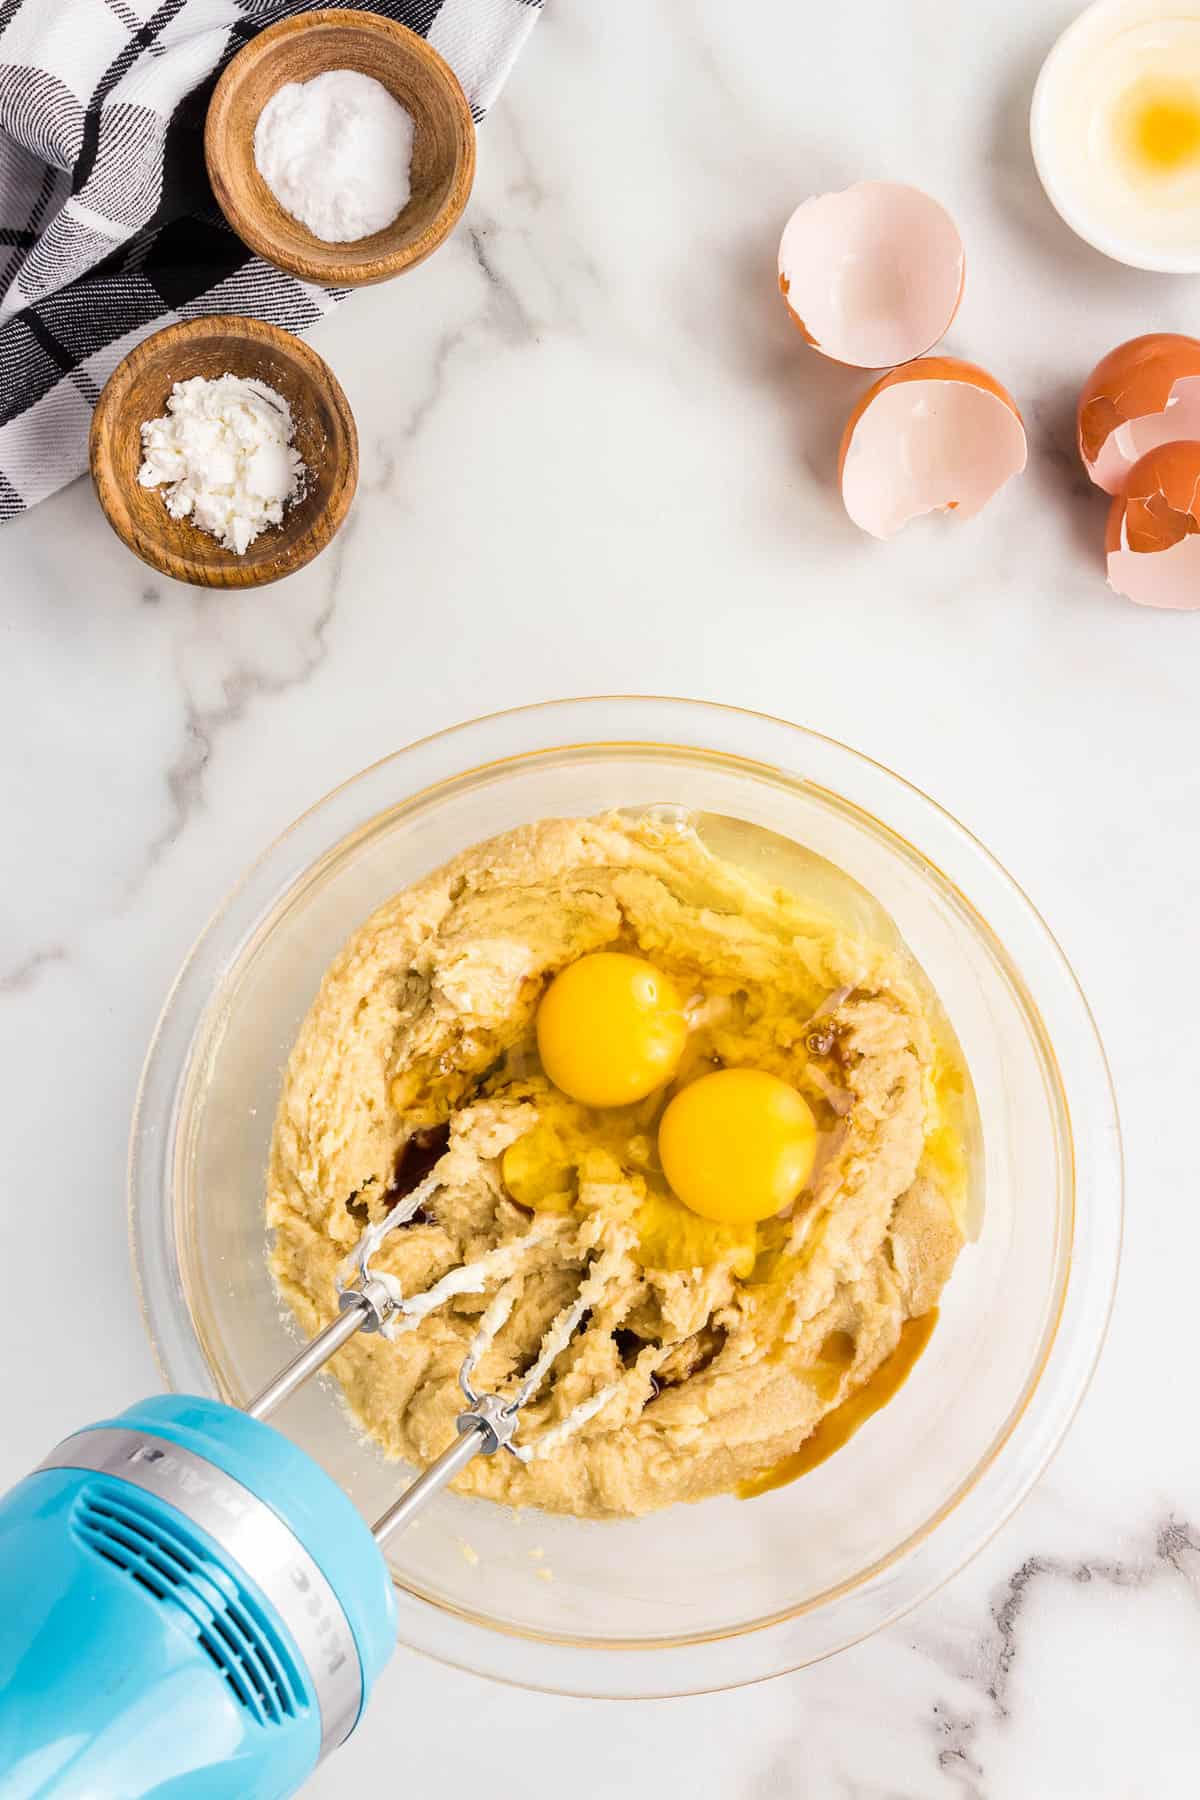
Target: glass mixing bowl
727,1591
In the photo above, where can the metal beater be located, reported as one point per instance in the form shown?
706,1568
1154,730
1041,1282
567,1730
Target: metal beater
374,1302
188,1600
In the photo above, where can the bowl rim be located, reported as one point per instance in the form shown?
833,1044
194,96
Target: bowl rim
234,571
619,1668
348,269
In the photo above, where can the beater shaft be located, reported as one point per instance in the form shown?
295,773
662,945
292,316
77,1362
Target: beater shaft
472,1441
362,1309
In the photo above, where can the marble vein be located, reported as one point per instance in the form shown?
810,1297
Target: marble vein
241,686
25,973
1173,1555
506,311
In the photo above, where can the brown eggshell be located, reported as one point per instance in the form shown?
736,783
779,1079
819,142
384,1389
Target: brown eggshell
1142,394
1153,535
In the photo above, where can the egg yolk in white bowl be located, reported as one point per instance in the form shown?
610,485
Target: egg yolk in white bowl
1116,131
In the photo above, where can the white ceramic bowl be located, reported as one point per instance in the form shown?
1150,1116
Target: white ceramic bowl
728,1591
1072,178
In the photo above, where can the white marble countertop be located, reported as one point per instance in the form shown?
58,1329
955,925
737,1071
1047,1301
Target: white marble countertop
597,458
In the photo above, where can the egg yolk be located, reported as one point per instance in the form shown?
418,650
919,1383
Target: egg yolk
737,1146
610,1029
1161,125
538,1171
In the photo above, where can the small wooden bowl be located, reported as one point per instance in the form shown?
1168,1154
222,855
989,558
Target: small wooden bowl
326,438
443,162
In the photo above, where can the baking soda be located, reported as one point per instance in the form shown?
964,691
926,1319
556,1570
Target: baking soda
336,152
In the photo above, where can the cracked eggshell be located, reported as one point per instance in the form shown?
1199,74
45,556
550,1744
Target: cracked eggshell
872,276
1153,536
1142,394
937,435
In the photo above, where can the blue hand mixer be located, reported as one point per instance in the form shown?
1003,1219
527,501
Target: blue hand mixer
190,1608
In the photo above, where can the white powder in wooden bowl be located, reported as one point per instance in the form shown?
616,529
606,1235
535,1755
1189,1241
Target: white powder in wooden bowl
336,152
223,456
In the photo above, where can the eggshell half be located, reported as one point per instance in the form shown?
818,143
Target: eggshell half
1153,536
936,435
1142,394
873,275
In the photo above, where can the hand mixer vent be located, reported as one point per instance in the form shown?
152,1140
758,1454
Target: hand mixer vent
206,1602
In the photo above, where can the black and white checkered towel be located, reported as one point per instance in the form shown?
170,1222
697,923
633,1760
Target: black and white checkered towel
108,227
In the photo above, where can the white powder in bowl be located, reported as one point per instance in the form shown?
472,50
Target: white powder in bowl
223,456
336,152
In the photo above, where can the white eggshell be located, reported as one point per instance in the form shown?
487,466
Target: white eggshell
1165,578
872,275
925,446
